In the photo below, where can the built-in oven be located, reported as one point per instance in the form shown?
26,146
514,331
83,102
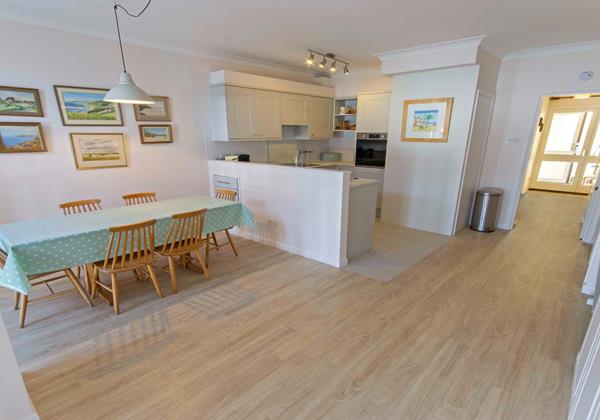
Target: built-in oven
370,149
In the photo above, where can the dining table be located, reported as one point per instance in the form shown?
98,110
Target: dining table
55,243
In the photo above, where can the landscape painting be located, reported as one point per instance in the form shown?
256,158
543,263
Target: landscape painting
160,110
86,106
20,102
152,134
426,120
21,138
102,150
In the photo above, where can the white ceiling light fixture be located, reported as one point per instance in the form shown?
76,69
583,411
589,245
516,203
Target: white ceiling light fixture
126,92
327,56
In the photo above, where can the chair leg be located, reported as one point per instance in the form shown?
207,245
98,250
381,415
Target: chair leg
207,251
95,277
23,313
203,264
115,292
214,237
17,298
75,282
155,281
231,242
173,274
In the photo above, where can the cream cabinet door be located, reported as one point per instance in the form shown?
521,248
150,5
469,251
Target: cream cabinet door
373,112
320,118
268,115
241,112
294,109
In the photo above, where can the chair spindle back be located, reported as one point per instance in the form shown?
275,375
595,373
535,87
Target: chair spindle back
224,194
185,232
81,206
139,198
130,245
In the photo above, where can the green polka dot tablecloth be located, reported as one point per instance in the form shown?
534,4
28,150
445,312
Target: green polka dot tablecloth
44,245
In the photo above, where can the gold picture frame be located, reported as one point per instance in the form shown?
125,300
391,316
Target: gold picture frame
99,150
426,120
22,137
160,110
17,102
78,104
156,133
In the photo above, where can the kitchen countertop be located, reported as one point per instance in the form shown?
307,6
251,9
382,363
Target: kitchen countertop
362,182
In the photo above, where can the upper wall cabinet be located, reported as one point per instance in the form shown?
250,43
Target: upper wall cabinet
245,114
320,118
294,109
373,112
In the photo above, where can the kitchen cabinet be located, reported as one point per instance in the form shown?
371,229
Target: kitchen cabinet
320,118
294,109
245,114
373,112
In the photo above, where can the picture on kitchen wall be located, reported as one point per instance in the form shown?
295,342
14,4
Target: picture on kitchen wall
160,110
86,106
152,134
426,120
20,102
99,150
21,138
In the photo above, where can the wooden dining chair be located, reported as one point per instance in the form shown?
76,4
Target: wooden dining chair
76,207
130,248
223,194
21,301
183,239
139,198
81,206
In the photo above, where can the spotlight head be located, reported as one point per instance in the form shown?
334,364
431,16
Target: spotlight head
332,68
311,58
346,69
323,62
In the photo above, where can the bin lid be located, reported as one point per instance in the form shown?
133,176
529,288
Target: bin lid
489,191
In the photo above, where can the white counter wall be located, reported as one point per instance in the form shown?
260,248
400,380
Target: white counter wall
300,210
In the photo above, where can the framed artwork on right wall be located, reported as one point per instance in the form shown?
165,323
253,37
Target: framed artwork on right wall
426,120
160,110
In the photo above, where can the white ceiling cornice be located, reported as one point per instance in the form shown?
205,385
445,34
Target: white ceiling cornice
431,48
553,49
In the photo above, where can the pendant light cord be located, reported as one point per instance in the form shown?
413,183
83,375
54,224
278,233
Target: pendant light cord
119,29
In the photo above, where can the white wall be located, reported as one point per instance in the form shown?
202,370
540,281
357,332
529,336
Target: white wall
368,80
423,180
14,400
301,210
521,84
33,184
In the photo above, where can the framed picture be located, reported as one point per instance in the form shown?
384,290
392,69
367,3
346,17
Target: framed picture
160,110
152,134
20,102
86,106
426,120
99,150
20,137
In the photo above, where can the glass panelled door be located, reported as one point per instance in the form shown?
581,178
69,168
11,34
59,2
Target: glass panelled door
568,158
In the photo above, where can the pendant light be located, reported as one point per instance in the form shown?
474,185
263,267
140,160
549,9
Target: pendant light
126,92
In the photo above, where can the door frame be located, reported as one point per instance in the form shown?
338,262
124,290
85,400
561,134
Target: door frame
516,194
572,106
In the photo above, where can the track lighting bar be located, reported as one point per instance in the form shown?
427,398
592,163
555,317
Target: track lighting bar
310,60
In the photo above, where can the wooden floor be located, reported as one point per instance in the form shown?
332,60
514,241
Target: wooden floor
486,327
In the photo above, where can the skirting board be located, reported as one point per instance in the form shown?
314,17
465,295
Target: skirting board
292,249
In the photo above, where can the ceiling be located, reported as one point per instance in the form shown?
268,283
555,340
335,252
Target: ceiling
280,30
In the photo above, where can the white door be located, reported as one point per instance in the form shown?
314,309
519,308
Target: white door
294,109
372,114
320,118
568,156
267,116
241,112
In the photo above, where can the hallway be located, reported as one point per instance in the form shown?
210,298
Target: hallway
486,327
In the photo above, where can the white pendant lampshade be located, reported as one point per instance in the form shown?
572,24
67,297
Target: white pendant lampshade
126,92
